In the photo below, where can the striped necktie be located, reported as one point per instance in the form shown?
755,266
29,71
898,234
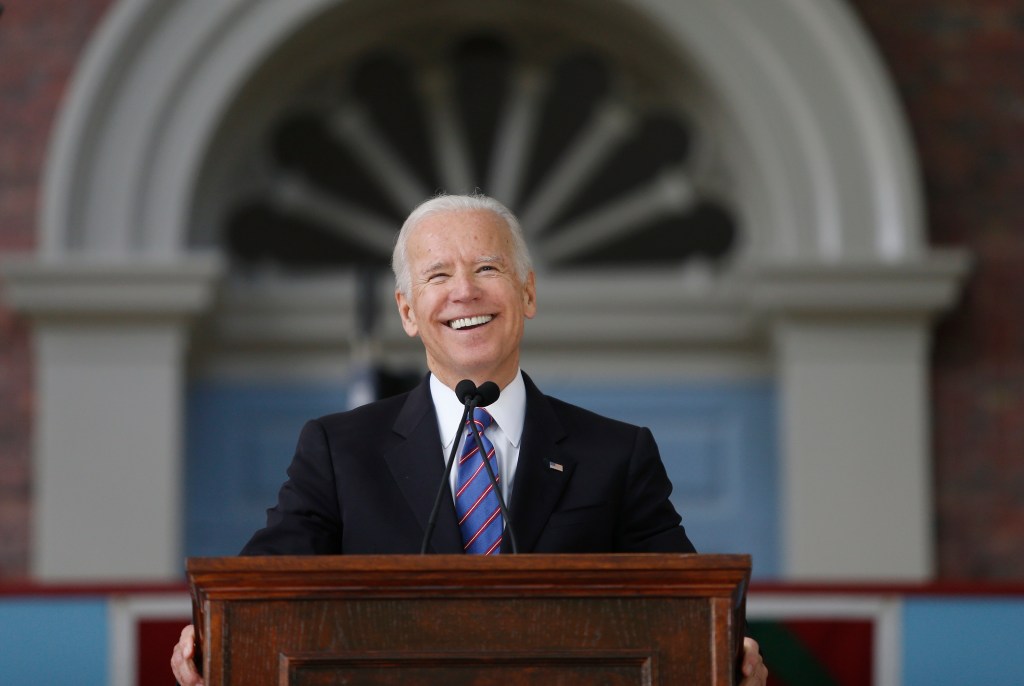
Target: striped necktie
475,500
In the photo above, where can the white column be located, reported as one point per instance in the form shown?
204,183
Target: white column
852,359
856,497
110,343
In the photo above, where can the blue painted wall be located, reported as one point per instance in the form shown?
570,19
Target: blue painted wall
718,442
953,642
54,641
240,441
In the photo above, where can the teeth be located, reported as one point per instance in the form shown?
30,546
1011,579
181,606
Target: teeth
470,321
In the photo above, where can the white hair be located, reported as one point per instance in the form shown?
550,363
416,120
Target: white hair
521,262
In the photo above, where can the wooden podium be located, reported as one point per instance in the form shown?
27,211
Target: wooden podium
462,620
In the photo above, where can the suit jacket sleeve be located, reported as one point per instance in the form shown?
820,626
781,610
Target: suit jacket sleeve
649,522
306,519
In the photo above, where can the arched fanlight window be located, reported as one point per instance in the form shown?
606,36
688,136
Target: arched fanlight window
600,172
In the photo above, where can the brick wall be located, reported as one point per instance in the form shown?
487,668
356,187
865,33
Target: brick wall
39,44
959,67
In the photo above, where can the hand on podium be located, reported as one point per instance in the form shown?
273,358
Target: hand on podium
755,673
182,664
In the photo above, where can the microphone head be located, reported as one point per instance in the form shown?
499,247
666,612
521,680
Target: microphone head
488,392
464,390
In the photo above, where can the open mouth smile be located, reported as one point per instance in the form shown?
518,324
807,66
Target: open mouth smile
470,322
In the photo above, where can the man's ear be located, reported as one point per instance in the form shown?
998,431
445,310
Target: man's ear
530,296
407,315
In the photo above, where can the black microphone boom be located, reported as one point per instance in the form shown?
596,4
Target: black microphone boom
465,391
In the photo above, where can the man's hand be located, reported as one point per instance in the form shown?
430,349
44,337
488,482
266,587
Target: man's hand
181,659
754,671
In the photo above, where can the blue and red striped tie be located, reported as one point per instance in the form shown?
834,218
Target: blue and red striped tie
475,500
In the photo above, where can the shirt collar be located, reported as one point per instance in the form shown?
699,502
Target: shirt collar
509,410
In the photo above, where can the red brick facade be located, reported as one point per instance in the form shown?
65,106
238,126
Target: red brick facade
40,42
957,67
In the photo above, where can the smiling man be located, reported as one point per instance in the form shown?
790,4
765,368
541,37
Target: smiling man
465,287
363,481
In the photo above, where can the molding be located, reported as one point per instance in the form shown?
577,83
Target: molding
612,310
83,289
608,309
919,287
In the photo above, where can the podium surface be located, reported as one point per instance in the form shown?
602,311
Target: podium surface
462,620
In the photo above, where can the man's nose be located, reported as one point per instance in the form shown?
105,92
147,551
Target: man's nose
464,285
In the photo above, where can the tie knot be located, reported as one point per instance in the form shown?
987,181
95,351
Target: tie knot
482,418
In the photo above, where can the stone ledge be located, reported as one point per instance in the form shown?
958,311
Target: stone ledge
84,288
919,287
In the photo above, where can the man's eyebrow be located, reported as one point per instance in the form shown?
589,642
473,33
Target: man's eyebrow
442,265
433,267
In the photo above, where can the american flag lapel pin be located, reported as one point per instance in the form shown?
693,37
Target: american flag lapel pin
554,465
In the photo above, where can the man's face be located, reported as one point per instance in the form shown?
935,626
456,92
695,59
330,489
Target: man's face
466,303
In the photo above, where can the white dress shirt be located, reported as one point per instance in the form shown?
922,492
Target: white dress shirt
505,433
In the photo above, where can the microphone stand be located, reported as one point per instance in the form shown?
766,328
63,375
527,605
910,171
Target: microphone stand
470,405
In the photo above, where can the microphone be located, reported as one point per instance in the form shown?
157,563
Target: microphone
466,390
471,397
483,396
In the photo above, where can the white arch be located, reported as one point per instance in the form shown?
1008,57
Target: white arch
815,105
825,182
810,114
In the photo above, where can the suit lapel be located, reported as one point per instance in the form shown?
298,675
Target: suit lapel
418,469
542,473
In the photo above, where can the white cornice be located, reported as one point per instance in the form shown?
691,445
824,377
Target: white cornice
79,289
610,310
915,287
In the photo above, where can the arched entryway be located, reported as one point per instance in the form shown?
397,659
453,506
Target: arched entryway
824,286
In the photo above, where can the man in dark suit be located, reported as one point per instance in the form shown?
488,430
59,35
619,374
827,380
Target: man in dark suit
359,483
364,481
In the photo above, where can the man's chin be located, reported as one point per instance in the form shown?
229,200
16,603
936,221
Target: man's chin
477,373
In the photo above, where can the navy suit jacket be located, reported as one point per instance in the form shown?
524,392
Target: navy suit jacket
364,482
